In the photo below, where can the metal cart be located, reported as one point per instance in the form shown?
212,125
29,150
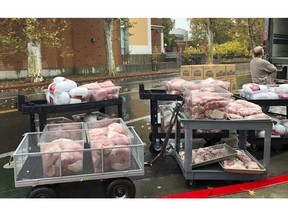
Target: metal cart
257,143
156,134
42,108
29,170
215,171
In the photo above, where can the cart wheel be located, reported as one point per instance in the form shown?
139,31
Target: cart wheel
191,184
156,146
120,188
254,147
42,192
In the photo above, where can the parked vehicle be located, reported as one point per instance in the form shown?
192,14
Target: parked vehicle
276,44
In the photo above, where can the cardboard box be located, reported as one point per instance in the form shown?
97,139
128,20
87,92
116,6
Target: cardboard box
220,71
230,69
185,72
192,72
197,72
209,71
233,86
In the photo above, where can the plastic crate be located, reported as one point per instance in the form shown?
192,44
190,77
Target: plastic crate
64,126
106,93
111,148
56,120
206,102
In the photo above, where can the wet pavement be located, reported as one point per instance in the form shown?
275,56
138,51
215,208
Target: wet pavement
162,179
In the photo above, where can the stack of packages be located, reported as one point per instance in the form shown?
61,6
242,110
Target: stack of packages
65,91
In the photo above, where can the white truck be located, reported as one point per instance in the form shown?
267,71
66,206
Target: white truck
276,44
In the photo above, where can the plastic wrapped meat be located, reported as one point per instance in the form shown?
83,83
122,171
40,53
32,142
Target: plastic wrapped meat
175,86
106,84
241,109
120,158
98,95
92,86
62,152
106,141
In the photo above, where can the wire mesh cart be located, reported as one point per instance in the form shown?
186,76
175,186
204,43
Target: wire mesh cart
157,134
42,108
30,169
215,171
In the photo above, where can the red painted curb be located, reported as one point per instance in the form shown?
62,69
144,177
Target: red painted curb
237,188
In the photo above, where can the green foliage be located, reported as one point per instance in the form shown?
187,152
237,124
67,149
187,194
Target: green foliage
188,52
17,32
231,48
231,36
169,39
155,57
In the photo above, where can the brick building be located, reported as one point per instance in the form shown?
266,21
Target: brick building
84,37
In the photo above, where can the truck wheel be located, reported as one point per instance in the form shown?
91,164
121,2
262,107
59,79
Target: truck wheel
42,192
120,188
156,146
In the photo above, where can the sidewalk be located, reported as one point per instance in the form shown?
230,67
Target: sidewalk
82,79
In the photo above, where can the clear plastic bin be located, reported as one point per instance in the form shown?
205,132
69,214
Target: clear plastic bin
64,126
206,102
107,93
56,120
110,142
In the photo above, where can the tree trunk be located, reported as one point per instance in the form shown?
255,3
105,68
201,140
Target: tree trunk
209,47
108,24
34,62
251,35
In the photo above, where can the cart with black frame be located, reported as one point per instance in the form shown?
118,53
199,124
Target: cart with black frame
42,108
215,171
257,143
157,134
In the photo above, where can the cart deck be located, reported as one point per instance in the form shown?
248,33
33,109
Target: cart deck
42,108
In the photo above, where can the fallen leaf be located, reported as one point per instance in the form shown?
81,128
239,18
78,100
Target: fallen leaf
251,192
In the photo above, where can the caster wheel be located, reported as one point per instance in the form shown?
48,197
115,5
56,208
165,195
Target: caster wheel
120,188
42,192
191,184
254,147
156,146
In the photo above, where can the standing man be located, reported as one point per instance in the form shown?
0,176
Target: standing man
260,68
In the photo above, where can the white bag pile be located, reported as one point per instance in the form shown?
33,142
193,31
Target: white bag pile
65,91
253,91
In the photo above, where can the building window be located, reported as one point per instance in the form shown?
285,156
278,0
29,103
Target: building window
124,41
